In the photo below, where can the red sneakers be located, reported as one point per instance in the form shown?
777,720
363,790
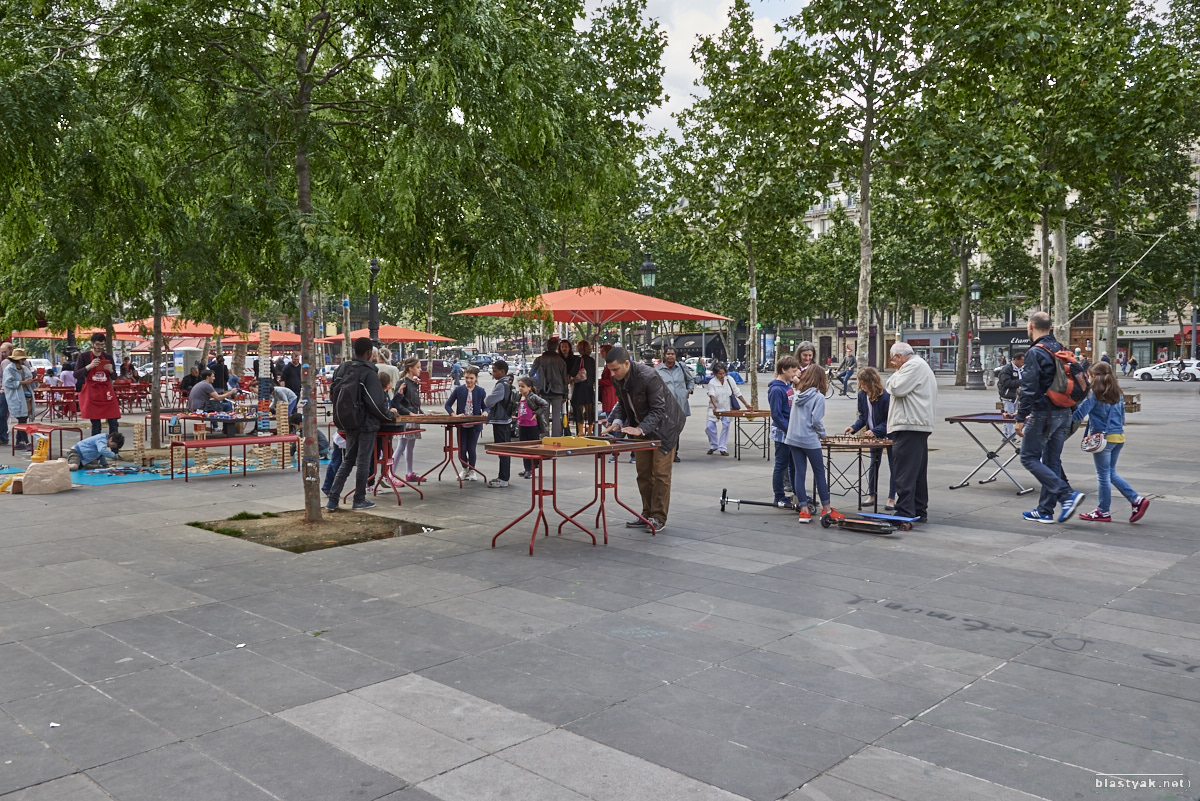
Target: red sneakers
1096,516
805,515
1139,509
835,515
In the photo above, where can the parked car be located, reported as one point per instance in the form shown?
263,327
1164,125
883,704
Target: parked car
1155,372
483,362
39,364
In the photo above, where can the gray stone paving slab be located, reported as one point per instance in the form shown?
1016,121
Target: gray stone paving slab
291,763
326,660
77,787
27,673
91,654
623,653
92,730
579,593
598,679
492,779
381,738
25,760
545,699
165,638
31,618
910,779
737,631
900,648
77,575
174,773
529,603
465,717
381,640
691,644
511,623
393,589
1003,765
745,771
37,554
829,788
410,794
232,624
179,702
989,642
258,680
1155,672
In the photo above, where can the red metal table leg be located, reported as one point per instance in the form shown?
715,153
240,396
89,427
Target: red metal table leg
617,497
554,504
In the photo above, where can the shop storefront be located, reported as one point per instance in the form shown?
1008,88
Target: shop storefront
1000,343
939,348
1147,343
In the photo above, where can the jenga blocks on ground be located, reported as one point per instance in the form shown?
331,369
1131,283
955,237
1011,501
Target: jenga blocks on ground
177,454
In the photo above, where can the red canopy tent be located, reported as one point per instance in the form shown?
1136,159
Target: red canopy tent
596,305
392,333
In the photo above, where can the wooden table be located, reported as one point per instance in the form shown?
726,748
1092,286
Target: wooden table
452,426
538,454
995,420
840,477
757,435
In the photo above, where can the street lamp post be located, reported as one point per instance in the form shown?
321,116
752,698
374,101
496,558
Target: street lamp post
649,272
975,369
373,313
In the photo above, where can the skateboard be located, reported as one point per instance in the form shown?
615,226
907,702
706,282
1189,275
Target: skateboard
725,500
871,523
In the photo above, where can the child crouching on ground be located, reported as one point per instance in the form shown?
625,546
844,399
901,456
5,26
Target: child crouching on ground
806,426
1104,408
95,451
531,411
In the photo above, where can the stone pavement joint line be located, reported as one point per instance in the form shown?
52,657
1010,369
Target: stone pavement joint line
739,655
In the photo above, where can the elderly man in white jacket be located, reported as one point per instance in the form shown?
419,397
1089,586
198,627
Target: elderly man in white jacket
913,388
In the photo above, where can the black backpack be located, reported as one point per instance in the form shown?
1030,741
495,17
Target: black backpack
346,396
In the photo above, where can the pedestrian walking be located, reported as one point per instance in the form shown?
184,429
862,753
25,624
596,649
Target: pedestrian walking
722,392
18,383
6,349
1044,425
913,390
680,383
806,427
1104,409
1008,383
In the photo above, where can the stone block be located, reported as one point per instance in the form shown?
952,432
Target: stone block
47,478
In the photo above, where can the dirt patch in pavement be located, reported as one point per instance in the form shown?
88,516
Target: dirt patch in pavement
288,531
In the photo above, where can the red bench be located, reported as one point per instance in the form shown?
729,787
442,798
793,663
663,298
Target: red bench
48,430
230,443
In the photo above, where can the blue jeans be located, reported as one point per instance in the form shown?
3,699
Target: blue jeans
844,377
780,476
335,461
1041,455
801,459
468,440
3,419
1106,475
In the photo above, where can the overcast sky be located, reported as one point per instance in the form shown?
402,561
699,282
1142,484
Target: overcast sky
683,21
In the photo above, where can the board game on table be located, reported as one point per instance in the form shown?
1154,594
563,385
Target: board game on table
757,431
551,449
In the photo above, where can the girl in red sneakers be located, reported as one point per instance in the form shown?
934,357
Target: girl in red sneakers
1104,408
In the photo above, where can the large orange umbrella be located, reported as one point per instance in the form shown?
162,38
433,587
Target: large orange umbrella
171,327
81,334
593,304
392,333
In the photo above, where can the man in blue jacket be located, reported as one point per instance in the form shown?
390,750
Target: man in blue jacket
1044,425
779,397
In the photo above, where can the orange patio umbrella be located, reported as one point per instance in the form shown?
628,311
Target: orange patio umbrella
81,334
392,333
171,327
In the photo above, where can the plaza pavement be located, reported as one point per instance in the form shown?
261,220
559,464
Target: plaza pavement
737,655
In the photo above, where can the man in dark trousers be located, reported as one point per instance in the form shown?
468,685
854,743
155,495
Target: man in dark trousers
1008,383
646,408
359,376
289,377
500,403
552,383
1044,425
220,373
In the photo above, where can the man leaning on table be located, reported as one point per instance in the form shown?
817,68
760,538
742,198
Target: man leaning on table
646,408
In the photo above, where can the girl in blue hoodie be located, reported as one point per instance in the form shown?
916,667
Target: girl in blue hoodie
1104,408
805,428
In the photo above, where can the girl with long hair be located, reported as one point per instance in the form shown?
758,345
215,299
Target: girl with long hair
1104,408
873,403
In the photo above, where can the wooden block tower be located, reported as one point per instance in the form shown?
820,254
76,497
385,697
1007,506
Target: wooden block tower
200,431
282,427
139,444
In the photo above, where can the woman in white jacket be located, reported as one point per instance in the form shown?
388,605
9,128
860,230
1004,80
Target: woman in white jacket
913,388
721,390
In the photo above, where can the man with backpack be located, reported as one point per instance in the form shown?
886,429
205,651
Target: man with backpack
500,403
1051,385
359,406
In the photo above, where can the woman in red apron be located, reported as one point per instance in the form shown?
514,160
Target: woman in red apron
94,374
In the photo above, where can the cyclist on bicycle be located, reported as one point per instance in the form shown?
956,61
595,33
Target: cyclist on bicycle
846,369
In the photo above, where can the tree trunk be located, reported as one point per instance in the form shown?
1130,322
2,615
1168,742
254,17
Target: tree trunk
156,360
864,232
752,328
1114,314
964,313
311,469
1062,306
1044,303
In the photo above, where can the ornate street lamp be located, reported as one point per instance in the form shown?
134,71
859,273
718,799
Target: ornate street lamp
975,368
649,272
373,313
